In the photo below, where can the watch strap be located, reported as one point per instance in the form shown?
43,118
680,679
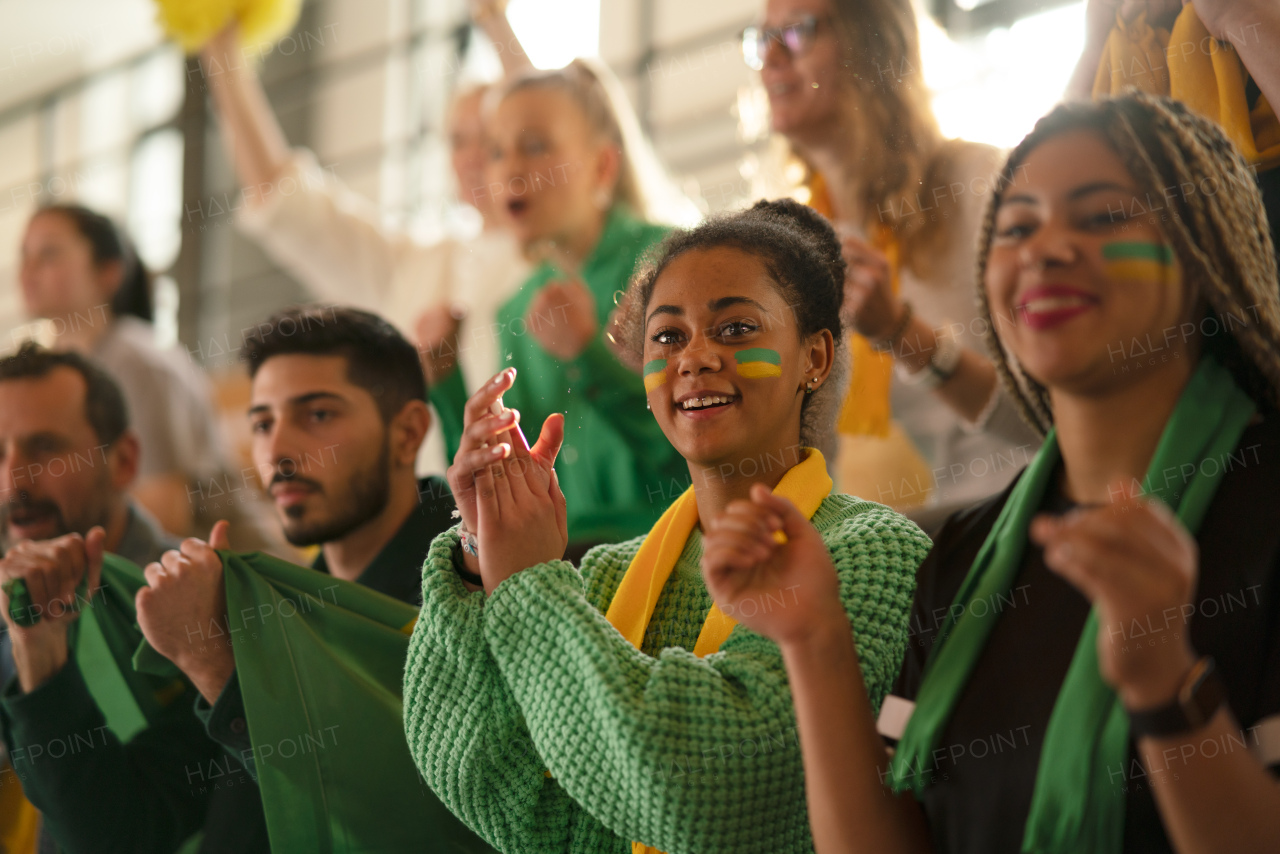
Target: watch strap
1198,700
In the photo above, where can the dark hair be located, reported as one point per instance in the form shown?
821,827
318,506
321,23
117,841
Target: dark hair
1220,235
801,252
104,405
379,358
110,243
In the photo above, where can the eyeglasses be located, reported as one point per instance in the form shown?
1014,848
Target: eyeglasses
795,38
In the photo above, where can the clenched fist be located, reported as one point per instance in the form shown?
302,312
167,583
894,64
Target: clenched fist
183,612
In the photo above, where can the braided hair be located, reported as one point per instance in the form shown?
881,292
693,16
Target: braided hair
1219,233
801,253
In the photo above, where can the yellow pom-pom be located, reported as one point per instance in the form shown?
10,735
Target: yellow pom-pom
192,23
267,20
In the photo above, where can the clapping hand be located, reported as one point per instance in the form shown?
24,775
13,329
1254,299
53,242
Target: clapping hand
784,591
507,493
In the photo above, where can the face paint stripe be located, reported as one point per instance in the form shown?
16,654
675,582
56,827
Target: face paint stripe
758,370
655,374
758,354
1138,251
1138,271
758,362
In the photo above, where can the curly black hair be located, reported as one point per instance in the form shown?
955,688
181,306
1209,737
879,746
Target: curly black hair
800,251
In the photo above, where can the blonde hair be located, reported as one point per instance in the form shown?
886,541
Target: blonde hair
1220,237
643,186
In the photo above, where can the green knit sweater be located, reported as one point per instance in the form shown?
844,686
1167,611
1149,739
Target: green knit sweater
544,730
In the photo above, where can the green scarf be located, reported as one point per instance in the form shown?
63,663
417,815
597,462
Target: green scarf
1073,808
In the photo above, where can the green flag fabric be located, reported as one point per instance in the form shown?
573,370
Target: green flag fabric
321,667
104,639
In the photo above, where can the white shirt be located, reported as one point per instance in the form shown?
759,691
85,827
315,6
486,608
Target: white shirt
329,238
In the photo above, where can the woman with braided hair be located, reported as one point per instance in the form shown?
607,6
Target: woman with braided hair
1095,653
612,709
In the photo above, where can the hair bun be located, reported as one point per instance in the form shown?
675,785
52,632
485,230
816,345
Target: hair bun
807,220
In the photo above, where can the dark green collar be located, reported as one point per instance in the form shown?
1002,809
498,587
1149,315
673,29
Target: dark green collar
397,569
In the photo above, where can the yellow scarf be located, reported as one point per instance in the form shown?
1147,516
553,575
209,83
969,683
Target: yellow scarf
19,820
866,406
1191,66
807,484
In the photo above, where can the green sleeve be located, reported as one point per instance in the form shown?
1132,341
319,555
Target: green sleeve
467,734
677,752
449,397
226,723
85,781
618,396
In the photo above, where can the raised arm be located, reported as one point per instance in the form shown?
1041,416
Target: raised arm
327,236
1100,17
491,16
1133,560
250,131
1253,28
465,730
845,762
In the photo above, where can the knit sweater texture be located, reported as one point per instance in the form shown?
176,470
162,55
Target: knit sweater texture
544,730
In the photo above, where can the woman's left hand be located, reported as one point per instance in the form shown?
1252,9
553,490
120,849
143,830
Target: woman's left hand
521,510
1138,566
870,306
562,318
784,591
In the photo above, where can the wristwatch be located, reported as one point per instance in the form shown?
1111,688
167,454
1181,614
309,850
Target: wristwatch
1201,695
941,367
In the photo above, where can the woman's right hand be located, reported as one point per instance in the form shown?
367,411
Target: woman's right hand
870,307
784,591
488,438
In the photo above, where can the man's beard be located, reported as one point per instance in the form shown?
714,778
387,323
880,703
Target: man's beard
24,506
367,493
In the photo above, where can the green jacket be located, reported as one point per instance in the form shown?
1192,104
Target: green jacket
544,730
615,463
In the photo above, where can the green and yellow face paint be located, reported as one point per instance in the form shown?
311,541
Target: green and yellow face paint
758,362
655,374
1138,261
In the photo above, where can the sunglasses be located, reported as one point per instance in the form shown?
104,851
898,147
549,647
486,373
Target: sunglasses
795,38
